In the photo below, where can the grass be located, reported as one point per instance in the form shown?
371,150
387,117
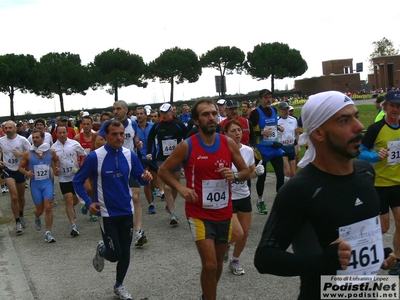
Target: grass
367,114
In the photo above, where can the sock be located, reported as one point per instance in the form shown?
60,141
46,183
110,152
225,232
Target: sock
235,259
17,220
21,213
286,179
260,200
117,284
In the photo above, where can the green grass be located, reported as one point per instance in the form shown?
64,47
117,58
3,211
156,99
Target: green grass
367,114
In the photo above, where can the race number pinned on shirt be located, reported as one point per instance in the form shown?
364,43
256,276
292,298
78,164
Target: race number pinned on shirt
215,193
394,153
168,146
41,171
365,239
274,133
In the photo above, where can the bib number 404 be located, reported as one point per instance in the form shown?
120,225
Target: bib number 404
216,196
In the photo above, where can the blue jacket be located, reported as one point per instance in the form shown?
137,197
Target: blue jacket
110,170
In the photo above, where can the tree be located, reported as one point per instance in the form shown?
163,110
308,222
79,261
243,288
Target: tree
16,74
118,68
62,73
175,65
276,60
224,59
384,47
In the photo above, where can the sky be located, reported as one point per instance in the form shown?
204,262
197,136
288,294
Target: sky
320,30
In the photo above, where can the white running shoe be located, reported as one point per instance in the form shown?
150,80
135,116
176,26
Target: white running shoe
122,293
98,260
236,268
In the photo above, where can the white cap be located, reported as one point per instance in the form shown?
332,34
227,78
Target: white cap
30,121
221,101
291,108
85,113
165,107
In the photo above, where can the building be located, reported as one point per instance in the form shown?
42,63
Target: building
386,73
337,75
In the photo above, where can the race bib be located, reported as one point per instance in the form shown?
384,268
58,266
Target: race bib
67,169
41,172
12,161
394,153
168,146
215,193
365,239
274,133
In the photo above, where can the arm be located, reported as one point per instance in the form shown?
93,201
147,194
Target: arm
55,162
23,165
150,143
80,177
238,161
252,141
76,138
165,171
371,156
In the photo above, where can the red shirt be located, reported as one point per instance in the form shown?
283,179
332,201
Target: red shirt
245,129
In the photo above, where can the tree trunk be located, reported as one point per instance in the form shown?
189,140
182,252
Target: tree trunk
272,83
12,116
61,103
171,98
115,93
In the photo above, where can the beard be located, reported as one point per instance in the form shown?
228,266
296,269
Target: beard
207,130
342,150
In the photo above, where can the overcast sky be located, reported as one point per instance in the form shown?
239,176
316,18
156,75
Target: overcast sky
320,30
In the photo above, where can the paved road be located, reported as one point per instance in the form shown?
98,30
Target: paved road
166,268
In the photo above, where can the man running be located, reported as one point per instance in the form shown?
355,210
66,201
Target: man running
38,164
207,159
12,147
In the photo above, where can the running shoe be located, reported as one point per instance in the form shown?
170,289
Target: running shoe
174,220
49,238
55,202
226,256
236,268
74,230
122,293
155,191
162,195
84,210
395,270
98,260
18,228
261,208
3,190
38,223
26,185
152,209
23,223
93,218
141,238
7,190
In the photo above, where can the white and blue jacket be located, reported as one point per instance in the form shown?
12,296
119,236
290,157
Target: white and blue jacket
110,170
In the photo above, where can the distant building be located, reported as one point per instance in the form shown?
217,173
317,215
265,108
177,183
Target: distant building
337,75
386,73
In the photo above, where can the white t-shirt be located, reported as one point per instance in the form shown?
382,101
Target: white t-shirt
240,189
288,136
47,139
68,154
7,146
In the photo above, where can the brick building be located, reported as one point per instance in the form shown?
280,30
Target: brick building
337,75
386,72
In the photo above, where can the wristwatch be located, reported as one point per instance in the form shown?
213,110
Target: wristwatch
236,175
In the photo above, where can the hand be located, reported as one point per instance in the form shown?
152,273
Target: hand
389,262
344,252
30,174
147,176
266,132
56,171
94,208
16,153
149,156
139,144
281,128
188,194
227,174
383,153
260,168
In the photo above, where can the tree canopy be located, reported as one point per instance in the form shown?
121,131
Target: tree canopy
118,68
62,73
16,74
276,60
225,59
175,65
383,47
